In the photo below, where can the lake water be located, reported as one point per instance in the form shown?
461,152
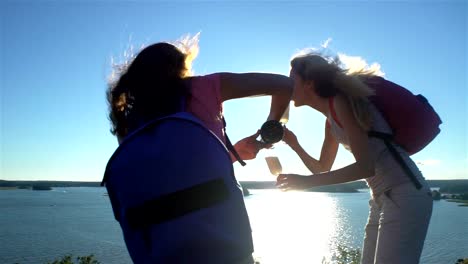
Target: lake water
288,227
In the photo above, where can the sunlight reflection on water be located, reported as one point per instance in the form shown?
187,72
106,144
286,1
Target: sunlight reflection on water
291,227
288,232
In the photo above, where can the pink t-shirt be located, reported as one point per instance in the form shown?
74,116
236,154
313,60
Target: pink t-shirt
205,102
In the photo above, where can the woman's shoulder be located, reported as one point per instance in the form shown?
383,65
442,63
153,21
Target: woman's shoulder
205,94
205,83
339,103
213,77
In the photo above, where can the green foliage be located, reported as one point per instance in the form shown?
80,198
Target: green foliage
462,261
345,255
436,195
454,187
81,260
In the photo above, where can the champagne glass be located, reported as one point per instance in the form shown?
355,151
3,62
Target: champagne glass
274,165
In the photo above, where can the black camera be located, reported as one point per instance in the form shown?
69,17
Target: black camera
272,131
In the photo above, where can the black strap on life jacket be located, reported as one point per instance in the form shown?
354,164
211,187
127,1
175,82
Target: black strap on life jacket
177,204
388,139
230,147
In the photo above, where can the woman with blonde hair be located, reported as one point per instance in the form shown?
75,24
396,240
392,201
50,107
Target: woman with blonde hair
171,182
399,211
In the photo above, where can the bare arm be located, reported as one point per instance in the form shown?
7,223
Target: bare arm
239,85
361,169
359,142
327,155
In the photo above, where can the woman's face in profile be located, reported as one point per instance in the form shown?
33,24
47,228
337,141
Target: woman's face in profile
299,89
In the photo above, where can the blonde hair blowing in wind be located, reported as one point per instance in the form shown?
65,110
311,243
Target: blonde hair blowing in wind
189,46
339,74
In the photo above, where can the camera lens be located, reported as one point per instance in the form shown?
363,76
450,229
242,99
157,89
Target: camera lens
271,132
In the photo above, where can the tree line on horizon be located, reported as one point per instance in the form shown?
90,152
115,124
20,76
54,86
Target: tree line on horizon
445,186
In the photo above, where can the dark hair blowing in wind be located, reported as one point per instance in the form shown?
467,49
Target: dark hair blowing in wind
149,87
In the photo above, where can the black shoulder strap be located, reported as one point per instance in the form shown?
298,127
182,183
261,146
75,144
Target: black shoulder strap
230,147
177,204
388,138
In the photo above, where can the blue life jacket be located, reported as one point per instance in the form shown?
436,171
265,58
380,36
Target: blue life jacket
172,188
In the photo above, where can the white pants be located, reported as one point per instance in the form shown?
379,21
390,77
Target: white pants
397,225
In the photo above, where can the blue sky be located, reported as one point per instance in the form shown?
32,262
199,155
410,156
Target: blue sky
55,57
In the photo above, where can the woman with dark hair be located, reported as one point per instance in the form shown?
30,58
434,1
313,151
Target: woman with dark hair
189,209
153,84
399,210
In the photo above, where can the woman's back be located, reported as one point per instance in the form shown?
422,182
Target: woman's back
388,172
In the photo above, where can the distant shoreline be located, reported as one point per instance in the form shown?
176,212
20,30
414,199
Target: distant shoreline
8,188
246,192
445,186
462,203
